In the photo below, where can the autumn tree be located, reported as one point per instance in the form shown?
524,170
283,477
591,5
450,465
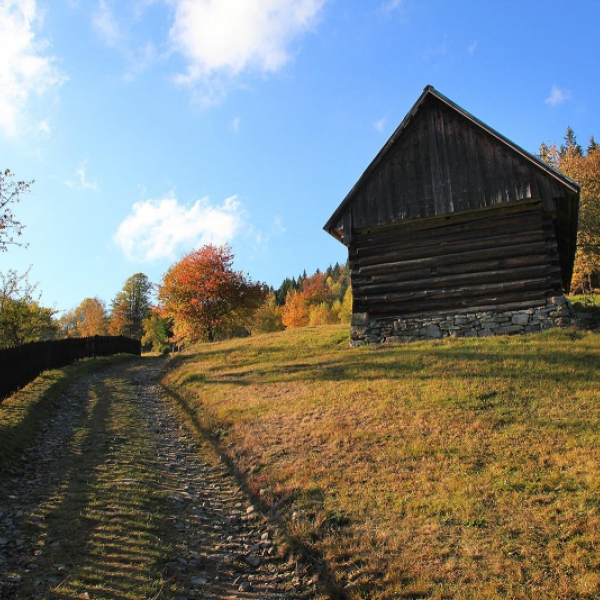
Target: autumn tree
67,324
582,166
267,317
323,314
345,312
88,319
130,307
10,194
295,312
318,299
202,293
285,288
22,318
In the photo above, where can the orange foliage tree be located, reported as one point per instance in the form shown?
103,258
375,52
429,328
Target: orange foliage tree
318,299
300,304
295,312
90,318
202,293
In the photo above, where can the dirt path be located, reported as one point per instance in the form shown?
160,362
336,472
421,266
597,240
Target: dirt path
117,501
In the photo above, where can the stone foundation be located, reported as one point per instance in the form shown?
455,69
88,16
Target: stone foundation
556,312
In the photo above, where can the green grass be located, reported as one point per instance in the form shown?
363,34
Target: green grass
26,412
464,468
587,303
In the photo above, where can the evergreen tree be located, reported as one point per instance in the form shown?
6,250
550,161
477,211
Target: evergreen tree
570,146
131,306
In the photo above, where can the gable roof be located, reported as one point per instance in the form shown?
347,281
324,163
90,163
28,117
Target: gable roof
523,174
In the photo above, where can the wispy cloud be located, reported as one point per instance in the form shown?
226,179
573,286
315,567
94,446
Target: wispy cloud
391,5
380,124
44,127
437,50
106,25
223,39
161,228
471,49
278,228
120,30
27,69
80,182
557,96
234,125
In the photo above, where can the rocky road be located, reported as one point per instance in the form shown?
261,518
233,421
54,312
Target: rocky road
117,500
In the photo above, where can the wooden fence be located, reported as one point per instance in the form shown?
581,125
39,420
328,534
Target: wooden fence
22,364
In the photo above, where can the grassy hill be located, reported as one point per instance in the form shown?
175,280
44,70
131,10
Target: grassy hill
466,468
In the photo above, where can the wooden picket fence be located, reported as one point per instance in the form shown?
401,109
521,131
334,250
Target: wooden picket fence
22,364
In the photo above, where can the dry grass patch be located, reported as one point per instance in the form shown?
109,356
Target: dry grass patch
458,469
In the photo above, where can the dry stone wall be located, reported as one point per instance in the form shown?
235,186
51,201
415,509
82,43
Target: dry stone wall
556,312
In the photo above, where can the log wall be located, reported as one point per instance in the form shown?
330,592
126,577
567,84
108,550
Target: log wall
505,255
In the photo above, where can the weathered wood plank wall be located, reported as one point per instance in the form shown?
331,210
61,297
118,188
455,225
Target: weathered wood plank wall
506,254
442,165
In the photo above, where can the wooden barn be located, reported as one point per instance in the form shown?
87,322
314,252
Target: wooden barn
455,230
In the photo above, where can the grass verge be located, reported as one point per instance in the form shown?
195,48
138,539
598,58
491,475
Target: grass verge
463,468
25,413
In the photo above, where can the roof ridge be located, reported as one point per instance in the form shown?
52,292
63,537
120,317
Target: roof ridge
429,90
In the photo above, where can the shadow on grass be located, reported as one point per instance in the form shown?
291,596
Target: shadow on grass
22,418
313,557
103,533
567,365
25,413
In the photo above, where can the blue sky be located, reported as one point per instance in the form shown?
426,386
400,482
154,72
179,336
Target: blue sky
152,127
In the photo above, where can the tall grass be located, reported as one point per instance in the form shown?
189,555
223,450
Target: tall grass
464,468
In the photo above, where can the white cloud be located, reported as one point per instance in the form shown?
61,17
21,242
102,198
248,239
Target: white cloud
557,96
234,125
27,70
471,49
81,183
106,25
380,124
221,39
160,228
